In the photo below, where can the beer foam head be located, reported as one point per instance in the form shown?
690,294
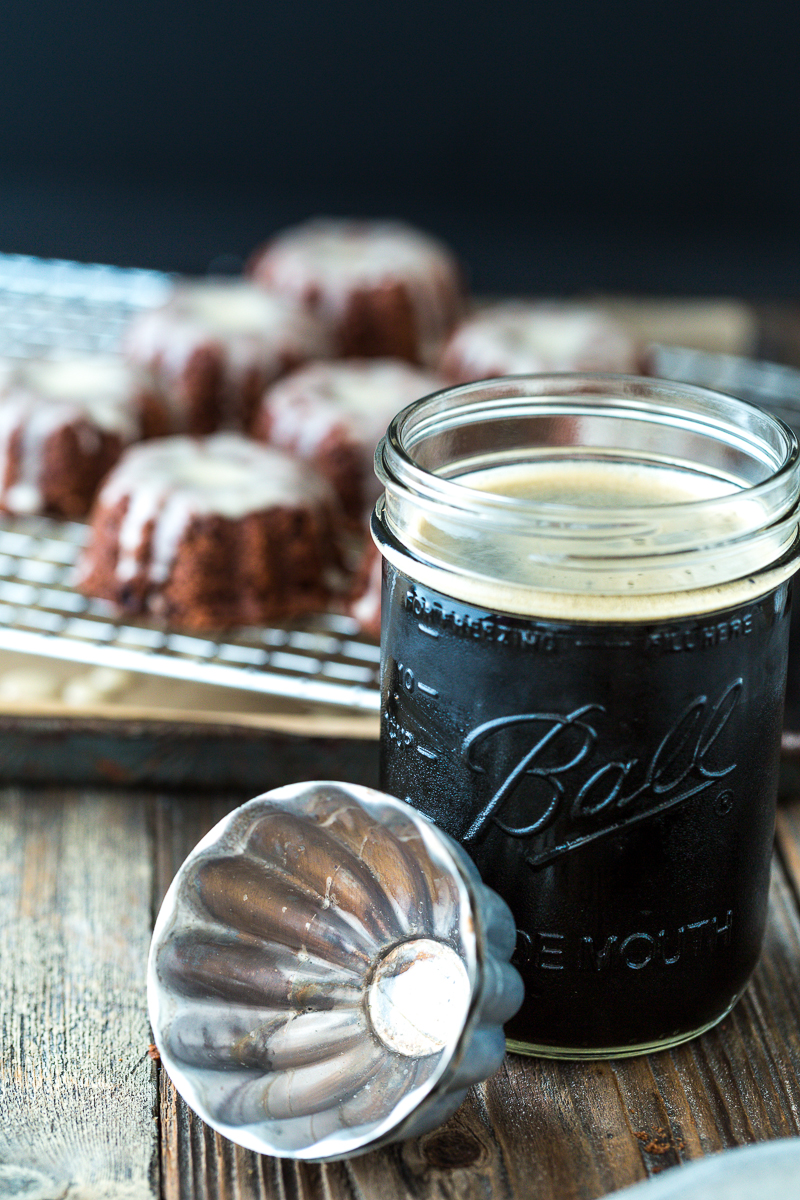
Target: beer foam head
609,499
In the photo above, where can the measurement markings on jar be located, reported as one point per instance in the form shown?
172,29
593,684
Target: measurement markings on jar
408,721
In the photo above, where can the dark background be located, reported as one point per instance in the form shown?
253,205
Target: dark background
559,148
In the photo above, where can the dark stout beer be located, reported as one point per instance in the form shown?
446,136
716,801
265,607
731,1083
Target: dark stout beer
586,616
615,783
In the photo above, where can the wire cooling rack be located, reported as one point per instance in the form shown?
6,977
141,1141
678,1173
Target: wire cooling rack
40,613
50,308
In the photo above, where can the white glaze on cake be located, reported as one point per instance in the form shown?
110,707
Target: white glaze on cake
172,480
235,307
250,328
356,399
38,398
518,338
325,260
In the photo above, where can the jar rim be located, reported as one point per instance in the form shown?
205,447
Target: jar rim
394,460
701,439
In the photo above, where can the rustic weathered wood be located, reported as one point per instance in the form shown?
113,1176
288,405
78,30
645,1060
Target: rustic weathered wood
77,1089
78,872
538,1129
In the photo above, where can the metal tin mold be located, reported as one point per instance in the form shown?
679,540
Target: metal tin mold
328,973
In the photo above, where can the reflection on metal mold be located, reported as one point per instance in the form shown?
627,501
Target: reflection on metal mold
328,973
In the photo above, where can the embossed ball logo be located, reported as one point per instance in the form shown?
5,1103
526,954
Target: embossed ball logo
561,779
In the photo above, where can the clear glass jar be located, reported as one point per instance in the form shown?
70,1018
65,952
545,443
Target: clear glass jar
586,600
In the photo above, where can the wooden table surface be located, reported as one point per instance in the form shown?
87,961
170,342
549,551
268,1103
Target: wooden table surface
86,1114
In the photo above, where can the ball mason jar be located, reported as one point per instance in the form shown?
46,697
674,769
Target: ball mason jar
585,618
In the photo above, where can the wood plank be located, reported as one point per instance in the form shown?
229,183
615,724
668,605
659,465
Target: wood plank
538,1129
77,1089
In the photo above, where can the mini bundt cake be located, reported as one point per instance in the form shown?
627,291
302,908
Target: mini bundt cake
517,338
334,414
63,425
212,532
383,288
214,346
